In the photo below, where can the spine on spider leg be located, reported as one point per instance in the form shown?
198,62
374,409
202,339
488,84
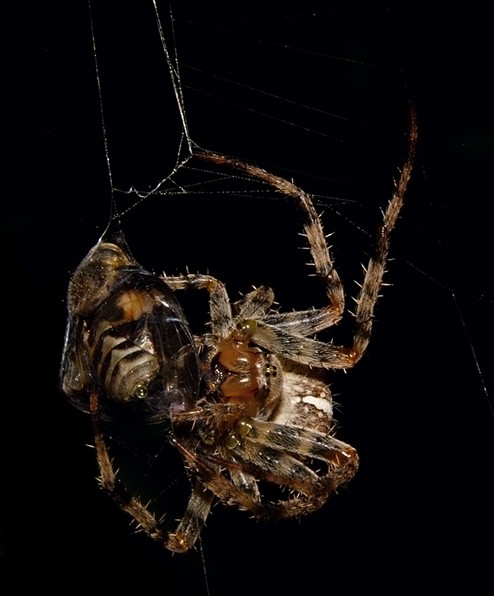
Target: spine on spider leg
375,270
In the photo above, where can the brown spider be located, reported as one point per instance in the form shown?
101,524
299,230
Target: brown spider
246,402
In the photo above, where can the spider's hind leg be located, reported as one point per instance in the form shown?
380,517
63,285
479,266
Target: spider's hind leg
193,520
195,515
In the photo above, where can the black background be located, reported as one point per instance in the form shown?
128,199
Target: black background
418,517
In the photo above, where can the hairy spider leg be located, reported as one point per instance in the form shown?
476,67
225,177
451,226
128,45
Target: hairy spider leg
282,333
198,507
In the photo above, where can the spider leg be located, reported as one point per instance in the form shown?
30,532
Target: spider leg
302,322
320,251
193,520
275,466
285,331
298,348
265,447
376,266
219,303
255,304
246,483
195,515
209,470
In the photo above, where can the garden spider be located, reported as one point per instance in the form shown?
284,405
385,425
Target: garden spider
249,411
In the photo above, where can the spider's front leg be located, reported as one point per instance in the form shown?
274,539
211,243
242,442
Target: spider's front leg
369,292
286,334
320,251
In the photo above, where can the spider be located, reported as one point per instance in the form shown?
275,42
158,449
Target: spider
247,406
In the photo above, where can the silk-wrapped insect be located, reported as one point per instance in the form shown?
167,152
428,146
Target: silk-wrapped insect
127,337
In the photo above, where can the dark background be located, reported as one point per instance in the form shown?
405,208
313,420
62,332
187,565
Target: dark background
418,518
